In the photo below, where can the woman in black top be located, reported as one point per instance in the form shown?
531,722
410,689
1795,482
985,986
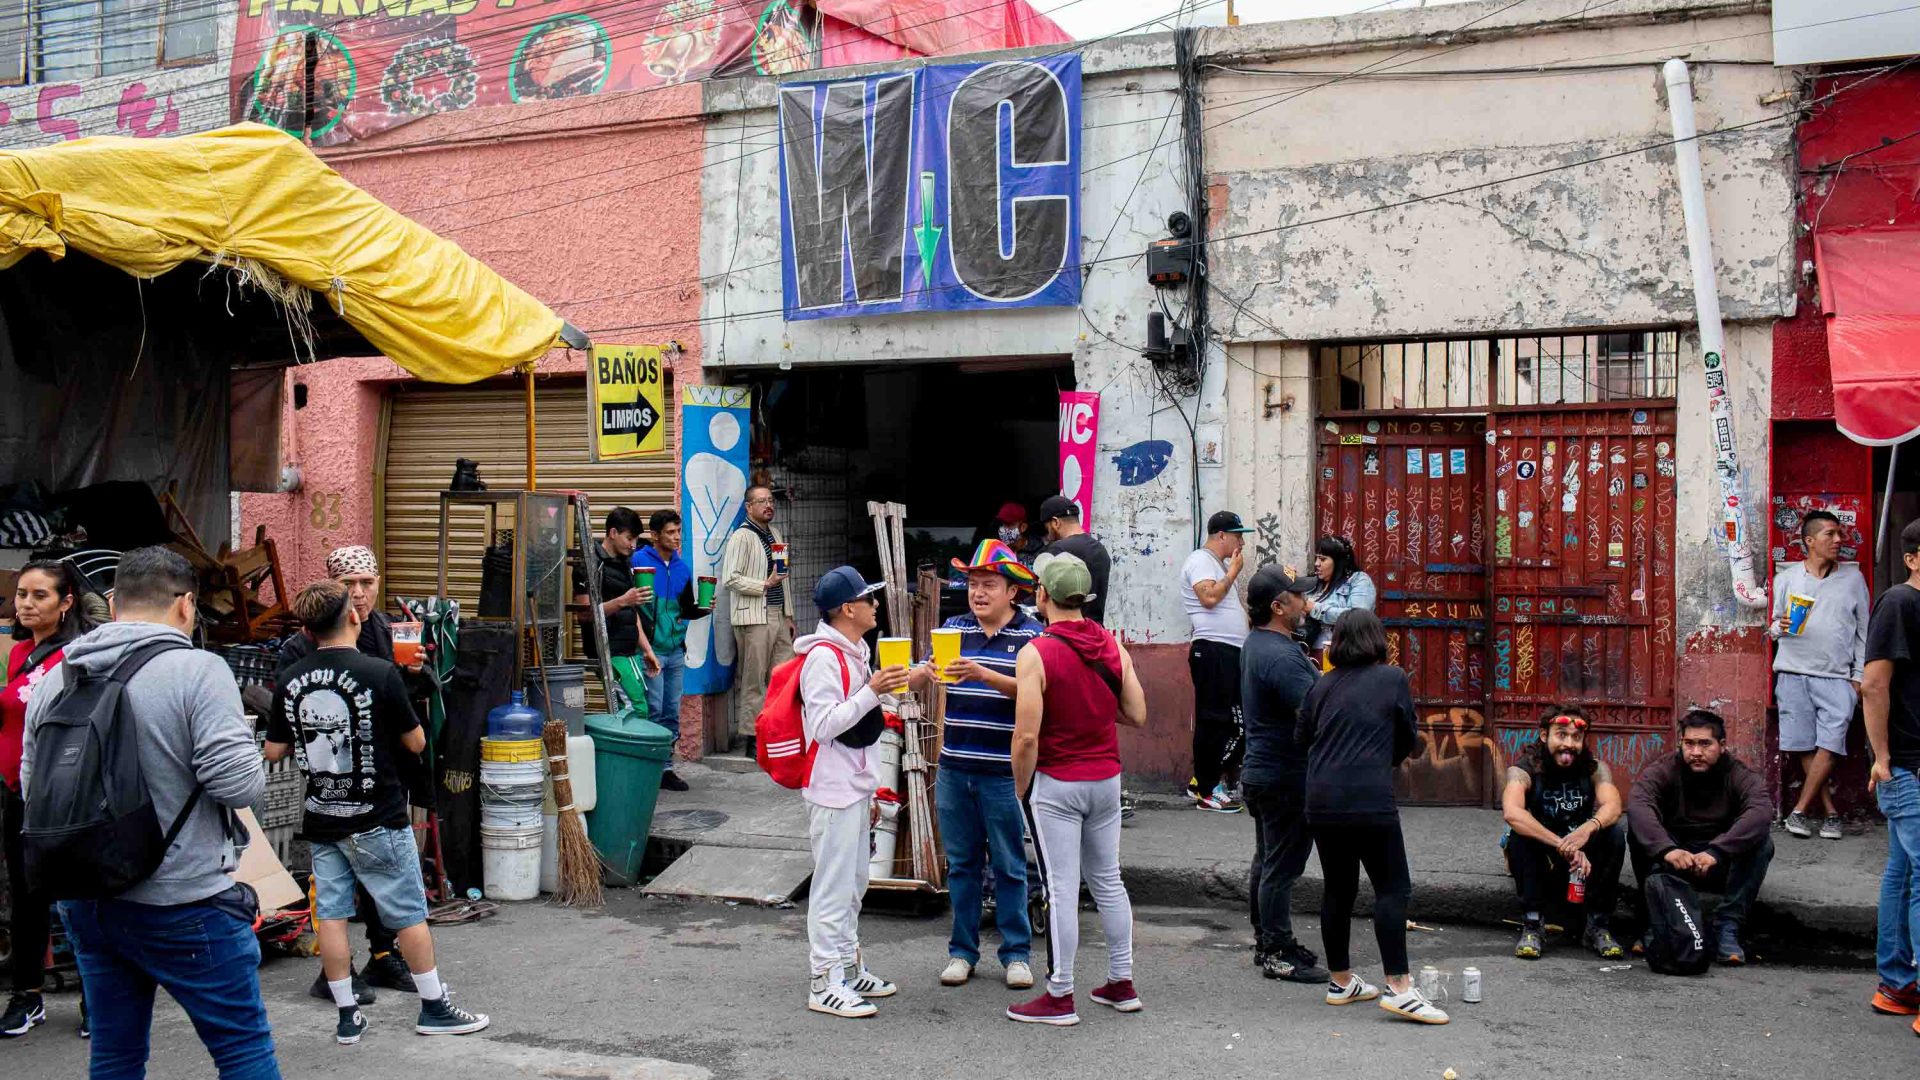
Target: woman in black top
1358,725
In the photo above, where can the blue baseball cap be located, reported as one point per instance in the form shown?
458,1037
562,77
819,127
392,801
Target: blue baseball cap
841,585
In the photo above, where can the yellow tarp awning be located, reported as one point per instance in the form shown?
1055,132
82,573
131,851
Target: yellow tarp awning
250,192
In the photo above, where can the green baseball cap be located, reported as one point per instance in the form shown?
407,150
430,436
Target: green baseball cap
1065,577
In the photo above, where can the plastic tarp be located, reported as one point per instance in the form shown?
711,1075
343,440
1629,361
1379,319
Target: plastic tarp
256,198
869,31
1870,292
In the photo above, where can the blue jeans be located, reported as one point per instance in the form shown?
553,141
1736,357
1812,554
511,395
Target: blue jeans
205,956
1900,883
979,815
663,692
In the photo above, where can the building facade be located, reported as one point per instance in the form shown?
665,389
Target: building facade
77,70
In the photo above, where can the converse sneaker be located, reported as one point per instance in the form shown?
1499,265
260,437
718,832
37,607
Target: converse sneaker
1357,989
1119,996
1832,829
1413,1005
1797,825
1046,1009
956,973
443,1017
835,998
352,1025
1019,976
24,1013
868,985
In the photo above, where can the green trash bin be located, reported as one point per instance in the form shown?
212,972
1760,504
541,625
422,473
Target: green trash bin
629,754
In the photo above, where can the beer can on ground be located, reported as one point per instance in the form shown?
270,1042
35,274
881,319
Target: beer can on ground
1470,985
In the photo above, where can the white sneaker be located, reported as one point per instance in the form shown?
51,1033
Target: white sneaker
868,985
1413,1005
1357,989
1019,976
837,999
958,971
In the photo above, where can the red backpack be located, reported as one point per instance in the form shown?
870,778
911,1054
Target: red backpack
782,747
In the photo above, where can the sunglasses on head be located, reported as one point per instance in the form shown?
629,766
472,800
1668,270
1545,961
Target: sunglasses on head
1575,722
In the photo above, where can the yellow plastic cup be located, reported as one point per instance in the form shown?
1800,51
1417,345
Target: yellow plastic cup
896,652
946,649
1799,607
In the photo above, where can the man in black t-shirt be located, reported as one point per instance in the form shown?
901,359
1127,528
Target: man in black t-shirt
1060,516
1890,697
345,718
1563,819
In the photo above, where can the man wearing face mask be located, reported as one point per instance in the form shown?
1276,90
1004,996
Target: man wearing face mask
1563,822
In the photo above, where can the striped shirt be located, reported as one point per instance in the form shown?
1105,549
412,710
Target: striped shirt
979,728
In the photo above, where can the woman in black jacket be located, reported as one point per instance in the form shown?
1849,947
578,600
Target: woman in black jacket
1358,725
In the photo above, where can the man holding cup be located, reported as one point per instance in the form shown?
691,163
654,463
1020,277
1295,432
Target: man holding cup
659,567
1820,611
980,817
631,654
753,568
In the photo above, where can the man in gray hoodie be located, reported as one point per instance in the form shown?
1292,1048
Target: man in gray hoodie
188,927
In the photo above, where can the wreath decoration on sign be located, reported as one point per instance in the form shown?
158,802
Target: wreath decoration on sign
430,58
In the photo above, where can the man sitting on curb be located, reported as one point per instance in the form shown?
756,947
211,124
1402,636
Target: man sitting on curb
1702,814
1563,818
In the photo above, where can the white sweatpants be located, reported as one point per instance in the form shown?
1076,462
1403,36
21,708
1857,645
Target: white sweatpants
840,841
1076,832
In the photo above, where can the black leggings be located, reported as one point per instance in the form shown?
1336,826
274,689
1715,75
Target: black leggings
1344,849
30,929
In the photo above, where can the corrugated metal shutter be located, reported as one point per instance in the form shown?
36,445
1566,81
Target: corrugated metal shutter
431,426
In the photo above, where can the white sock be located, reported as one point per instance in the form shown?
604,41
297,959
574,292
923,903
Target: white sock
428,983
342,991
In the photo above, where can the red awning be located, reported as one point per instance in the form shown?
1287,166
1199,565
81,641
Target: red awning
1870,292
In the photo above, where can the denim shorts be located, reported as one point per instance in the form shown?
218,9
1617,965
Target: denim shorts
385,863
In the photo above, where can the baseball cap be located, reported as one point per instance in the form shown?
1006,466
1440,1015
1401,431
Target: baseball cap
1270,581
841,585
1066,577
1059,506
1225,521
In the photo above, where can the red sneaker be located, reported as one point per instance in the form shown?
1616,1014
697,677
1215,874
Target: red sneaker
1902,1002
1118,995
1046,1009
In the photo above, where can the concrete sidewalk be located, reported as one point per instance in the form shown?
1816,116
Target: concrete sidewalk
1174,854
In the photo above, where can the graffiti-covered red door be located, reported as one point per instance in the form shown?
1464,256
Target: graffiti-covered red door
1411,496
1583,566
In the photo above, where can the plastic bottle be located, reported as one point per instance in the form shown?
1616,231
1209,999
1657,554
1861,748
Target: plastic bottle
514,720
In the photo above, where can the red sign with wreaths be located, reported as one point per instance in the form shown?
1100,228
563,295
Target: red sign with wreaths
334,71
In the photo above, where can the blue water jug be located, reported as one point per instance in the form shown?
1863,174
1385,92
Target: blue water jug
515,720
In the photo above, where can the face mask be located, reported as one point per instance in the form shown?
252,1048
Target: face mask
1009,534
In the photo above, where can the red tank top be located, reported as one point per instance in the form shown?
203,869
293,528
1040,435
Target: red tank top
1079,732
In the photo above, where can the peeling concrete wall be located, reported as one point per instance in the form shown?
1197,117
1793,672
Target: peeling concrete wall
143,104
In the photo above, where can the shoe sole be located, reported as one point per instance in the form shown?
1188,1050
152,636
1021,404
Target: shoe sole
961,981
1304,980
1051,1021
1019,984
346,1040
1374,996
463,1029
1803,835
1131,1005
1891,1009
1429,1021
844,1014
1218,809
884,992
1519,955
34,1020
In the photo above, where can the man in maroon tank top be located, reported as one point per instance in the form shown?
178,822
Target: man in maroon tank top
1076,684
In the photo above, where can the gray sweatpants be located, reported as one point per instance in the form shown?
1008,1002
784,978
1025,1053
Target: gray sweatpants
841,849
1076,831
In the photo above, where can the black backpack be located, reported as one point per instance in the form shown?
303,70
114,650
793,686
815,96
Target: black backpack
1676,930
91,831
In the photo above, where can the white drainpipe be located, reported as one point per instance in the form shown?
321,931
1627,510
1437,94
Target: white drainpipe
1706,302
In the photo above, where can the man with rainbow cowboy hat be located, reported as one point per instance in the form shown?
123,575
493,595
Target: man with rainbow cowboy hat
980,816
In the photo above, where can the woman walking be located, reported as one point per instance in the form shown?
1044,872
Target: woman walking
1358,725
47,615
1343,587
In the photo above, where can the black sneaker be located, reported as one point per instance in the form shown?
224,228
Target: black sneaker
443,1017
1599,938
1306,966
670,781
24,1012
362,993
1729,951
352,1025
388,972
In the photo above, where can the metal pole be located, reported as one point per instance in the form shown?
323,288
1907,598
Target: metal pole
532,483
1886,503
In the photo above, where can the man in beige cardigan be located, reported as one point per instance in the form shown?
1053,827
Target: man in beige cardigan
761,608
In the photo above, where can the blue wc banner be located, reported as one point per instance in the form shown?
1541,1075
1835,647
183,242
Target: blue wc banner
716,424
951,187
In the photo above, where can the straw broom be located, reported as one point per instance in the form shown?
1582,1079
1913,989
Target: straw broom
579,863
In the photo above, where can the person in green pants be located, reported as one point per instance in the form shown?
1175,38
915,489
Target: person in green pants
632,655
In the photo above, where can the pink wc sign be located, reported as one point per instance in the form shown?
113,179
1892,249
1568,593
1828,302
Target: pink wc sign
1079,443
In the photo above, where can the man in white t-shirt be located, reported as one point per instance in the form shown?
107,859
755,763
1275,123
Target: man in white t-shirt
1219,627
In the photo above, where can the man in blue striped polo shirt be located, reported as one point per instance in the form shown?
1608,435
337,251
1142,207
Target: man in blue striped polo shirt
980,816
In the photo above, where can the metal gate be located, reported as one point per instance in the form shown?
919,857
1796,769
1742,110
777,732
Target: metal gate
1583,569
1411,496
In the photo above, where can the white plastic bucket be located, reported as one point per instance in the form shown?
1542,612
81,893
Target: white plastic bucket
549,853
510,862
510,793
886,836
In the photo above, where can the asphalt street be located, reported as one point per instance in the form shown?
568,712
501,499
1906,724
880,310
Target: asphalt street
670,989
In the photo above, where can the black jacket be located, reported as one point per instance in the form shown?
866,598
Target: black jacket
1358,725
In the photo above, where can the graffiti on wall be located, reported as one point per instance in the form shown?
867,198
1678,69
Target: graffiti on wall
62,112
1623,752
1455,759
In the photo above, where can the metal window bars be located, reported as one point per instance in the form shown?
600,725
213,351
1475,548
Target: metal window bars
1470,374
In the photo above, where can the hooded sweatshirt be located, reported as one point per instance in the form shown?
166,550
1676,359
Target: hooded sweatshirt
1079,732
192,731
1725,810
832,700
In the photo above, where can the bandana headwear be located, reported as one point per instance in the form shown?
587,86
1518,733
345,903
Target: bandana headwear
351,562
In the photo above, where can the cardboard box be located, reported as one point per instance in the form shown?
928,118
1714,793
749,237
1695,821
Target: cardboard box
260,868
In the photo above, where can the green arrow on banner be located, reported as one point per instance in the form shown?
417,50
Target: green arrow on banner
927,235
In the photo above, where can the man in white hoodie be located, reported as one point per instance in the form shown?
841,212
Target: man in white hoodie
840,711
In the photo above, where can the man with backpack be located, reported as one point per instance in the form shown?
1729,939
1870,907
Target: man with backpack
1700,815
839,705
179,750
346,719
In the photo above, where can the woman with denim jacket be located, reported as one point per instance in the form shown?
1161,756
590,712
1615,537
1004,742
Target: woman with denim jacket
1343,587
